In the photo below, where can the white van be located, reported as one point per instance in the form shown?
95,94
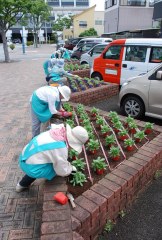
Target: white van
97,40
125,58
88,57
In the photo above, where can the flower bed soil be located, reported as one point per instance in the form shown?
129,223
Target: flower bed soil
114,191
111,165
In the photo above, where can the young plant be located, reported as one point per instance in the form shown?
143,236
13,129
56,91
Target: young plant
105,129
114,153
112,114
109,226
94,111
70,122
99,165
128,120
132,127
139,136
73,154
122,214
80,108
123,134
110,140
67,107
148,127
93,146
78,179
128,143
100,121
79,164
118,126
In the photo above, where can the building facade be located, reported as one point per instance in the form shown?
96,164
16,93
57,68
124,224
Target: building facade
123,15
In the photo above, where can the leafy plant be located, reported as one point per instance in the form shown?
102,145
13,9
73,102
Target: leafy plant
132,125
100,121
80,108
118,125
99,164
105,128
73,154
67,107
148,125
112,114
122,214
123,132
109,226
129,142
95,111
79,164
12,46
140,135
78,178
110,139
114,151
129,119
93,144
70,122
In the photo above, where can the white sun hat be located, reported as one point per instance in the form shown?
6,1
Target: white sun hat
65,92
76,137
60,62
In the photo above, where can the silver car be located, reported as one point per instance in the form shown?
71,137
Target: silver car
88,57
142,95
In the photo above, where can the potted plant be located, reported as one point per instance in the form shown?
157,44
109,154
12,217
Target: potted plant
118,126
109,140
128,120
78,178
94,112
79,164
73,154
132,127
129,144
93,145
139,136
148,127
100,121
105,130
99,165
123,134
114,153
112,114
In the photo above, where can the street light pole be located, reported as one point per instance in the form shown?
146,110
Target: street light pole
23,43
45,26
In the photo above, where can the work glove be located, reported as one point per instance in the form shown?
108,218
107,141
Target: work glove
66,114
74,169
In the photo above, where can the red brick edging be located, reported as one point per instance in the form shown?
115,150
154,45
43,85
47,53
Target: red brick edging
103,201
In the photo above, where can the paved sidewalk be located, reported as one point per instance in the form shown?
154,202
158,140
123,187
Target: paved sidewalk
20,214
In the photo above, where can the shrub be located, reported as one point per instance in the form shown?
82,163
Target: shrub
12,46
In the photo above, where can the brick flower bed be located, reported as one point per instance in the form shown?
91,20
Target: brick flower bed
116,191
97,94
82,73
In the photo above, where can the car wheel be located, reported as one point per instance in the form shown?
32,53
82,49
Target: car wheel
83,63
133,106
97,76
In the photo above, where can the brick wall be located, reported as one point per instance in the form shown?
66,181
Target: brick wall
82,73
115,192
97,94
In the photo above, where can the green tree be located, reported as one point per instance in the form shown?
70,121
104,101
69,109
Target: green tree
89,32
62,22
11,12
39,13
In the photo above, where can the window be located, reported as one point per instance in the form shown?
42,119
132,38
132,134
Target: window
113,53
83,24
133,2
110,3
98,22
135,53
98,49
156,55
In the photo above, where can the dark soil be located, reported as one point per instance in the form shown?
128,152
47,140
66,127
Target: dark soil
78,190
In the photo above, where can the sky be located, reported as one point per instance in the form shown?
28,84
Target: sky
99,4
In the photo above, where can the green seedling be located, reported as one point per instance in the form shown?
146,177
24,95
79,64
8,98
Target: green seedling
109,226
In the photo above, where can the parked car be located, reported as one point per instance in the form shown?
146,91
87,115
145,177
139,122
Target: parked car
88,57
92,39
16,40
71,43
141,95
84,48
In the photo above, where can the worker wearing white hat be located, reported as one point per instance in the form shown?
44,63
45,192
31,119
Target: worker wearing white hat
46,155
45,102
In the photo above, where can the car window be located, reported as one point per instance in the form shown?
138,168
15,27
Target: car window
135,53
156,55
113,52
98,49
